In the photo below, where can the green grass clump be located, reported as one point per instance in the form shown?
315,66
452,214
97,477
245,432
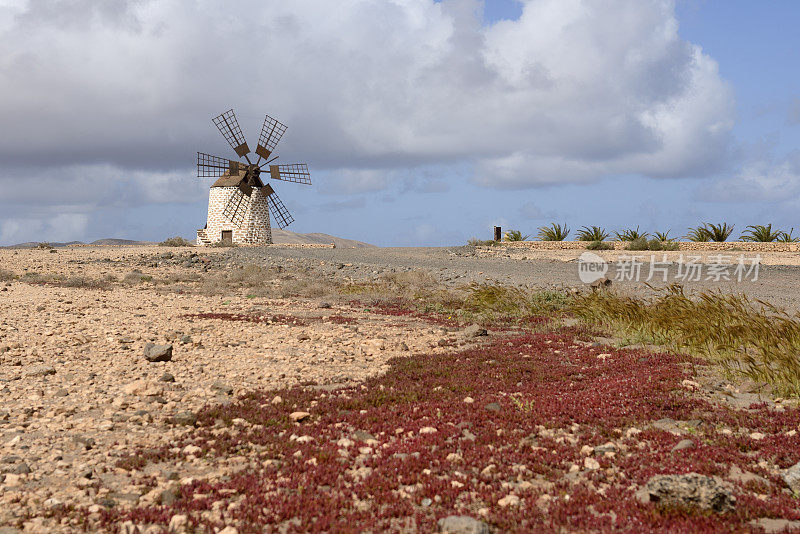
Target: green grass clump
507,301
748,338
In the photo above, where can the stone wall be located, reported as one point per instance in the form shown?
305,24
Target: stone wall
255,228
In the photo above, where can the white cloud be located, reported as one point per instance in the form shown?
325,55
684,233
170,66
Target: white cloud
759,181
571,91
607,87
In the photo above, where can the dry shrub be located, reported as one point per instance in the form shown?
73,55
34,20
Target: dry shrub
136,277
176,242
6,275
749,338
407,285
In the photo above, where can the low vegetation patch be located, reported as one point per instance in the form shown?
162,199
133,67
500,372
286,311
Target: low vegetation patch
655,244
747,338
600,245
531,432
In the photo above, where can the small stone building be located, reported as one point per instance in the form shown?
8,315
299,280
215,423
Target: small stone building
252,224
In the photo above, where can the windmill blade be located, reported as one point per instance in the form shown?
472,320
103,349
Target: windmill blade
277,209
209,166
234,209
297,172
228,126
271,133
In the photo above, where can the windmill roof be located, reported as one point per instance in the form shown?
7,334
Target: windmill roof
229,180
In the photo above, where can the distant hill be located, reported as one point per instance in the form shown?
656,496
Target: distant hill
278,236
112,241
31,244
107,241
292,238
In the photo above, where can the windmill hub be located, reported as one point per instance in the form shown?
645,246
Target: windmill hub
237,214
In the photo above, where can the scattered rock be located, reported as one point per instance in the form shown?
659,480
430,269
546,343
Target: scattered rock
363,436
600,450
600,283
508,500
157,353
325,305
167,377
303,336
427,430
773,526
683,445
744,477
691,490
186,418
277,399
86,443
41,370
178,523
462,524
591,463
475,330
61,393
221,387
493,407
299,416
22,469
468,400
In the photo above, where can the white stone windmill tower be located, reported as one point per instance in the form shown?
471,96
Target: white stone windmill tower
240,203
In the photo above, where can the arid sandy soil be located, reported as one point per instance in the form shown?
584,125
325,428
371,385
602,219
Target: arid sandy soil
82,407
77,392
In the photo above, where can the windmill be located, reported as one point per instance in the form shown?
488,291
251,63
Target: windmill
240,202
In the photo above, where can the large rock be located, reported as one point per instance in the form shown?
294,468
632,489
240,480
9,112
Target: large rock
691,490
157,353
462,524
792,477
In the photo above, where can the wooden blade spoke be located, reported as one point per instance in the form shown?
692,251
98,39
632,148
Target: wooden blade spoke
228,126
209,166
296,172
271,133
279,212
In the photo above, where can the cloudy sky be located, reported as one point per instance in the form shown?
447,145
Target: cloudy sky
424,122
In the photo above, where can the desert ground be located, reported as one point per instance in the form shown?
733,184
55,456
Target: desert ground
150,389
